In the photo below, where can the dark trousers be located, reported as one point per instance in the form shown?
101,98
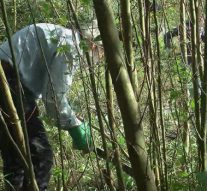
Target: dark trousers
41,153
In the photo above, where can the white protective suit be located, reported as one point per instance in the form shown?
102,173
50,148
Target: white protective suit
56,47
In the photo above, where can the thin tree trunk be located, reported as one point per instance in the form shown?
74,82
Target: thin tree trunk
198,38
101,125
196,84
149,73
6,97
127,40
204,101
143,174
159,81
15,14
31,174
110,109
183,38
96,99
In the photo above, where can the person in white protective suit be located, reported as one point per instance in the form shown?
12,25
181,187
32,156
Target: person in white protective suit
46,55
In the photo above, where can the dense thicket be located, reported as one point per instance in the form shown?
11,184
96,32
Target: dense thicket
145,100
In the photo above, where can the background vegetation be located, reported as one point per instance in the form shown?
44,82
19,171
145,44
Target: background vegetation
166,87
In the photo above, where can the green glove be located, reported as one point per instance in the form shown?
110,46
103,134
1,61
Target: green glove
81,136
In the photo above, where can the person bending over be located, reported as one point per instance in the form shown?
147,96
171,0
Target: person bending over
46,56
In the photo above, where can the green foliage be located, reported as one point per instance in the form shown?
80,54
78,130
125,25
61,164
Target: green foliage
84,45
202,177
86,2
130,184
83,172
62,49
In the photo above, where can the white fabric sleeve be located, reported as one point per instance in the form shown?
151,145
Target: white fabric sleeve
61,77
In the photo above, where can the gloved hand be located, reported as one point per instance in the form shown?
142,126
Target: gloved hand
81,136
